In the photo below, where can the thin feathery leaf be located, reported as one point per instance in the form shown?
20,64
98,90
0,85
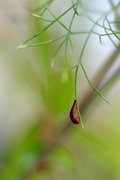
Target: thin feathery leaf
107,33
95,89
42,18
68,35
42,43
59,47
80,64
58,21
48,26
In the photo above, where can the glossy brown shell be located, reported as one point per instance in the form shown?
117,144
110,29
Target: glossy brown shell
74,113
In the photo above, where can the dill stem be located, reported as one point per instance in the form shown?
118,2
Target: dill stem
89,97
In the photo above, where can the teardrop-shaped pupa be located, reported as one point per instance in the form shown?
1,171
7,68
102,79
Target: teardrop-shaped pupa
74,116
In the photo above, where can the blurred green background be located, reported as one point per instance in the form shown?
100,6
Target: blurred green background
36,94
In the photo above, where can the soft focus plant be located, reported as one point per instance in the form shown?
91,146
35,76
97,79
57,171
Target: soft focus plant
43,151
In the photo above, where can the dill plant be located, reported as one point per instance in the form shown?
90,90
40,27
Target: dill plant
110,28
78,9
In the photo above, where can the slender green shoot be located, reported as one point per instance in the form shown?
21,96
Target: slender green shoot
48,26
42,43
80,64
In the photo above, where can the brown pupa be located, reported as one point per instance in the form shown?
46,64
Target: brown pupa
74,116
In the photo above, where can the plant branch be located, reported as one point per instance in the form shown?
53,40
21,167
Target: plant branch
89,97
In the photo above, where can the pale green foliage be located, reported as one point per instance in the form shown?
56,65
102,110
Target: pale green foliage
82,154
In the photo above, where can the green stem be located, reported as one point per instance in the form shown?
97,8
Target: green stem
90,96
37,34
77,68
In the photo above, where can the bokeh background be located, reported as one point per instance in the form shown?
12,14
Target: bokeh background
36,94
